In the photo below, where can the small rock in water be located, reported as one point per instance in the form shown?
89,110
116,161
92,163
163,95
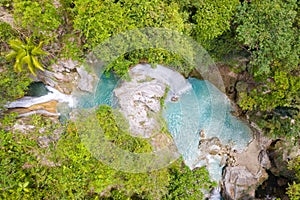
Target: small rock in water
174,98
202,134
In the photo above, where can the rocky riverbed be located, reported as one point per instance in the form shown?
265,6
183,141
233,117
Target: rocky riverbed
140,101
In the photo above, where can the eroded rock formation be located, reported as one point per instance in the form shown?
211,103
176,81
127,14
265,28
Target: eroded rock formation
241,179
139,101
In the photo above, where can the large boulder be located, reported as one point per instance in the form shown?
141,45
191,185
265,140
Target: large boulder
87,80
139,101
248,172
240,183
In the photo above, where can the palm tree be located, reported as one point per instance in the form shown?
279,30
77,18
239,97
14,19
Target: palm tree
26,54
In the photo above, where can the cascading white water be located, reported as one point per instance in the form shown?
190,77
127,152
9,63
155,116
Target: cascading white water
53,94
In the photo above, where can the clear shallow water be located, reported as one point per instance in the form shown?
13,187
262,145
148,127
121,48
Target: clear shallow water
203,107
103,93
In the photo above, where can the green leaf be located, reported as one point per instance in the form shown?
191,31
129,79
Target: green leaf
16,44
11,55
36,63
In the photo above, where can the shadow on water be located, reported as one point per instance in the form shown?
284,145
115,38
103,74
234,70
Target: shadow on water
37,89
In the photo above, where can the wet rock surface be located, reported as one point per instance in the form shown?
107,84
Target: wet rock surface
243,171
211,146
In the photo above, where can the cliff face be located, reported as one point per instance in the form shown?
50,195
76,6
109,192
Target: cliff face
263,154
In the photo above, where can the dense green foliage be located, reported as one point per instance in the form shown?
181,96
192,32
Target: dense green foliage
113,18
99,179
37,17
266,29
6,33
119,134
270,33
184,183
6,3
294,189
192,18
106,18
12,85
208,19
265,32
282,90
98,20
65,169
269,30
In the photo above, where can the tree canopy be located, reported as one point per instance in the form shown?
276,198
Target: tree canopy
265,32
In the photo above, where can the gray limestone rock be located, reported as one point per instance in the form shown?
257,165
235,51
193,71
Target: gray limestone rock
264,159
64,65
86,81
240,183
140,98
241,180
139,101
70,64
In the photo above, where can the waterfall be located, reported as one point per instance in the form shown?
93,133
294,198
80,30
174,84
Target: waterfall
53,94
